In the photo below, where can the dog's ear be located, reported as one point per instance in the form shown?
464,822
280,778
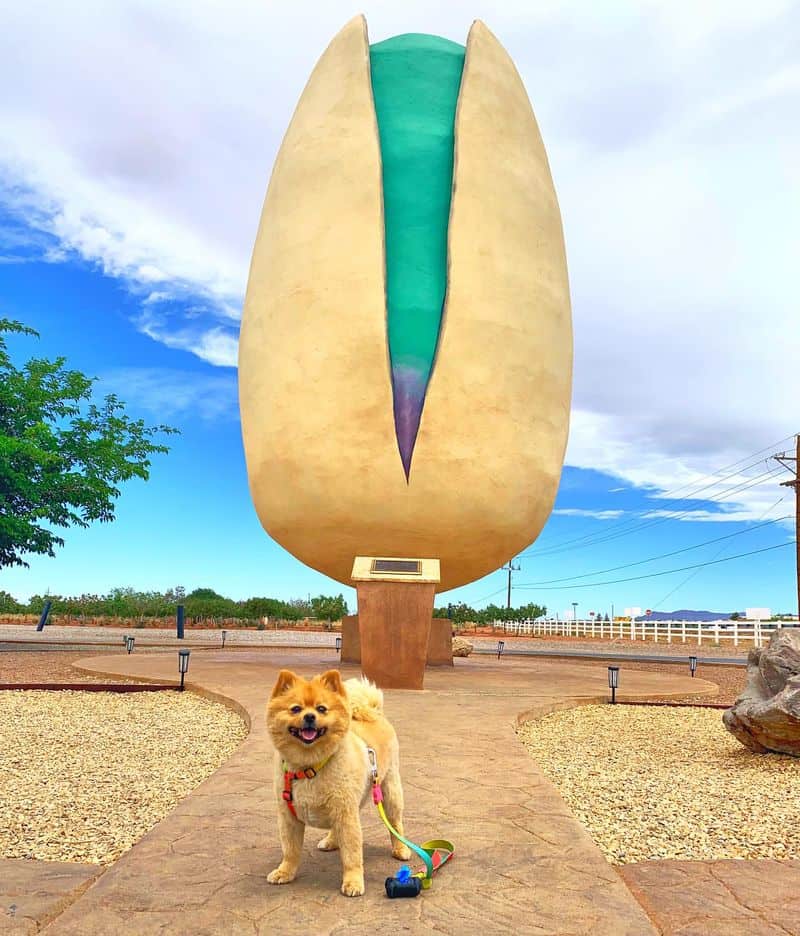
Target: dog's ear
333,680
286,679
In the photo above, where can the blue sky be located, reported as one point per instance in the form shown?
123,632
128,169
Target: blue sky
133,165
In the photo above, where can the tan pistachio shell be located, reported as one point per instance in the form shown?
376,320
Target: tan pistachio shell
314,380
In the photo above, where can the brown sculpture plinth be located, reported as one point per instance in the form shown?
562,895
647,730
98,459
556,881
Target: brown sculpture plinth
351,644
395,609
440,644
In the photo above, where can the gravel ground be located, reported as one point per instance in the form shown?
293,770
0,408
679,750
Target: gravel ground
37,666
83,775
668,784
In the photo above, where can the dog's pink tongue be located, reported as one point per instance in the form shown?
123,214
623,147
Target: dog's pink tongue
308,734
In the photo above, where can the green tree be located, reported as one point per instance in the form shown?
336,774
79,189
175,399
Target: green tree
297,608
8,604
60,463
204,594
530,612
458,613
206,603
263,607
328,607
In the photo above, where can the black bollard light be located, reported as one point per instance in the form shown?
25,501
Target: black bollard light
179,622
692,665
501,645
224,635
613,682
129,642
183,664
338,644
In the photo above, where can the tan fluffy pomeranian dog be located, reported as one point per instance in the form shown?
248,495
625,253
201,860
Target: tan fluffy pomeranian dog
321,729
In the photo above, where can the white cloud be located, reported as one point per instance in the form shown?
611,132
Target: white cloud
627,449
215,346
143,140
593,514
169,393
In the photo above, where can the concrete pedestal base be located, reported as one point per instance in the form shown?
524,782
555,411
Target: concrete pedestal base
394,627
351,644
440,644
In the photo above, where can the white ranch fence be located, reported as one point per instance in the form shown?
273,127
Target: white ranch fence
756,633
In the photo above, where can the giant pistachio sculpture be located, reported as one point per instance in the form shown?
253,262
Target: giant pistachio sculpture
406,349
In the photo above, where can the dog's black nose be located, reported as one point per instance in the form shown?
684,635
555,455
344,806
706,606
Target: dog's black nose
309,718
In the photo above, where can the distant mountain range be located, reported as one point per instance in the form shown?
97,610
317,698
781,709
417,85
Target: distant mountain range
685,615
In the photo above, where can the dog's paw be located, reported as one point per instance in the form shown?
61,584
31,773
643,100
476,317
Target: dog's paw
401,852
328,843
279,876
353,885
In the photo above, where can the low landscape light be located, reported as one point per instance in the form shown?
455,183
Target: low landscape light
501,645
692,664
129,641
224,635
183,664
613,682
338,644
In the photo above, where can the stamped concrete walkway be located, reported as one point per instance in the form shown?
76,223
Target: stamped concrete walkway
33,892
719,898
523,863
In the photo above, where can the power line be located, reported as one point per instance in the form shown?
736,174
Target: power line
726,468
719,552
691,496
606,536
487,597
676,552
666,495
637,578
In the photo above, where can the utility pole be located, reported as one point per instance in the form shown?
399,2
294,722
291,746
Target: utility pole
510,568
792,462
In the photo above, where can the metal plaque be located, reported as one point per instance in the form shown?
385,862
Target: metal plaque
397,566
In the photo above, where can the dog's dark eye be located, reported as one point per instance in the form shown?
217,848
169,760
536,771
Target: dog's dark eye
321,709
295,709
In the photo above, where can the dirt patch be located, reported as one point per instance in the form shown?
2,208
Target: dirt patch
54,666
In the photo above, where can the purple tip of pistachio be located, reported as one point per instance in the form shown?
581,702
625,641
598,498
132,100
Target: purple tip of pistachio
409,395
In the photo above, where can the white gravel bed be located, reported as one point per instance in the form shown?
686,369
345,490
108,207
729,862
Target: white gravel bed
83,775
670,783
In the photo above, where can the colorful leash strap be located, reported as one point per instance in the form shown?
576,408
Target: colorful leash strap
433,853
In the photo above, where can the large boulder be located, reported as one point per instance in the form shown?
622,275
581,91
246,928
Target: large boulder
461,647
766,716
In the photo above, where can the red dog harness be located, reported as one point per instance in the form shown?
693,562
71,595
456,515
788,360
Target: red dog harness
289,776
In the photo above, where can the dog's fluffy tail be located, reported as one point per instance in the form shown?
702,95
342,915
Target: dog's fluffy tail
366,699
